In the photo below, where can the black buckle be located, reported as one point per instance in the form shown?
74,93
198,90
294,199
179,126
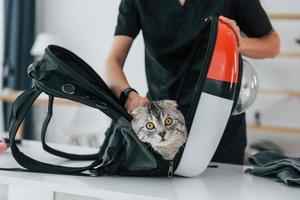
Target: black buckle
98,170
68,88
32,67
102,105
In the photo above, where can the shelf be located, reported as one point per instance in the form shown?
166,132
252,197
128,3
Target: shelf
295,54
273,129
278,92
10,96
284,16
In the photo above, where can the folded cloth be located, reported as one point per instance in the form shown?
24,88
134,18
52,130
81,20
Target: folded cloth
289,176
280,167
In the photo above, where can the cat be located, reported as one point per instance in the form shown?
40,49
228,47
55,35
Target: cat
161,125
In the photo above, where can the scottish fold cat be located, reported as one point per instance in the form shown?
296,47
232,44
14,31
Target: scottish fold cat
161,125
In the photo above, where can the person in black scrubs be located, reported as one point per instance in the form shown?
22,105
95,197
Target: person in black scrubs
169,28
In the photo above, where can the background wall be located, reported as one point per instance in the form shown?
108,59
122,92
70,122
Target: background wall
281,73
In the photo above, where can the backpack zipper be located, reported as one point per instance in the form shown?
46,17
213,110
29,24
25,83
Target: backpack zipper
170,172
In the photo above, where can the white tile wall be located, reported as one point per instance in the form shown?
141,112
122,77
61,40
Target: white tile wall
278,6
277,111
289,31
280,73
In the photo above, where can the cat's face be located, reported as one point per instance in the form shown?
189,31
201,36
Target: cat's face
161,125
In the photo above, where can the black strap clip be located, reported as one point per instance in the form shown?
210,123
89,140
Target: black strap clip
32,68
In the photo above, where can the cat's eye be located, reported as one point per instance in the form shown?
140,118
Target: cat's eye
168,121
150,126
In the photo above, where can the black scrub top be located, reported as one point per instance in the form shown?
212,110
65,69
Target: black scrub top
170,29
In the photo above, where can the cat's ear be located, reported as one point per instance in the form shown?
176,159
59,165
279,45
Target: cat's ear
170,103
137,111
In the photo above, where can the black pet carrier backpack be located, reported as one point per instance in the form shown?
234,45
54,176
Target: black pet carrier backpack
60,73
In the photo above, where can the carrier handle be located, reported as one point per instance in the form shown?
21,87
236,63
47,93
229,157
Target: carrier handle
19,109
56,152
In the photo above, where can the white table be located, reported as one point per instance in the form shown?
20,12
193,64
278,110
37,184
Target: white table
224,182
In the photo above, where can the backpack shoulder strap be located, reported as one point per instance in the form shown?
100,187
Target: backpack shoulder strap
19,109
56,152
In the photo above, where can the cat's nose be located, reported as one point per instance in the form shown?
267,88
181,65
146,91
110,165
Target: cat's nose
162,134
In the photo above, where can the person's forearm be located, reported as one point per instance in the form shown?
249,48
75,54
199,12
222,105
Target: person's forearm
265,47
117,82
115,77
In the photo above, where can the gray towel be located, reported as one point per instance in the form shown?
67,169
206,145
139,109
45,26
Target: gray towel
271,164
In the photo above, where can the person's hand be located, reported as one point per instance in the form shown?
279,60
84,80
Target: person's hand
3,146
134,100
235,28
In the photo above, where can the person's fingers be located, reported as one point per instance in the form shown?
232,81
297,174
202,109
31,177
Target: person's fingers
3,146
131,104
230,22
234,26
238,34
131,107
144,101
227,20
139,101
